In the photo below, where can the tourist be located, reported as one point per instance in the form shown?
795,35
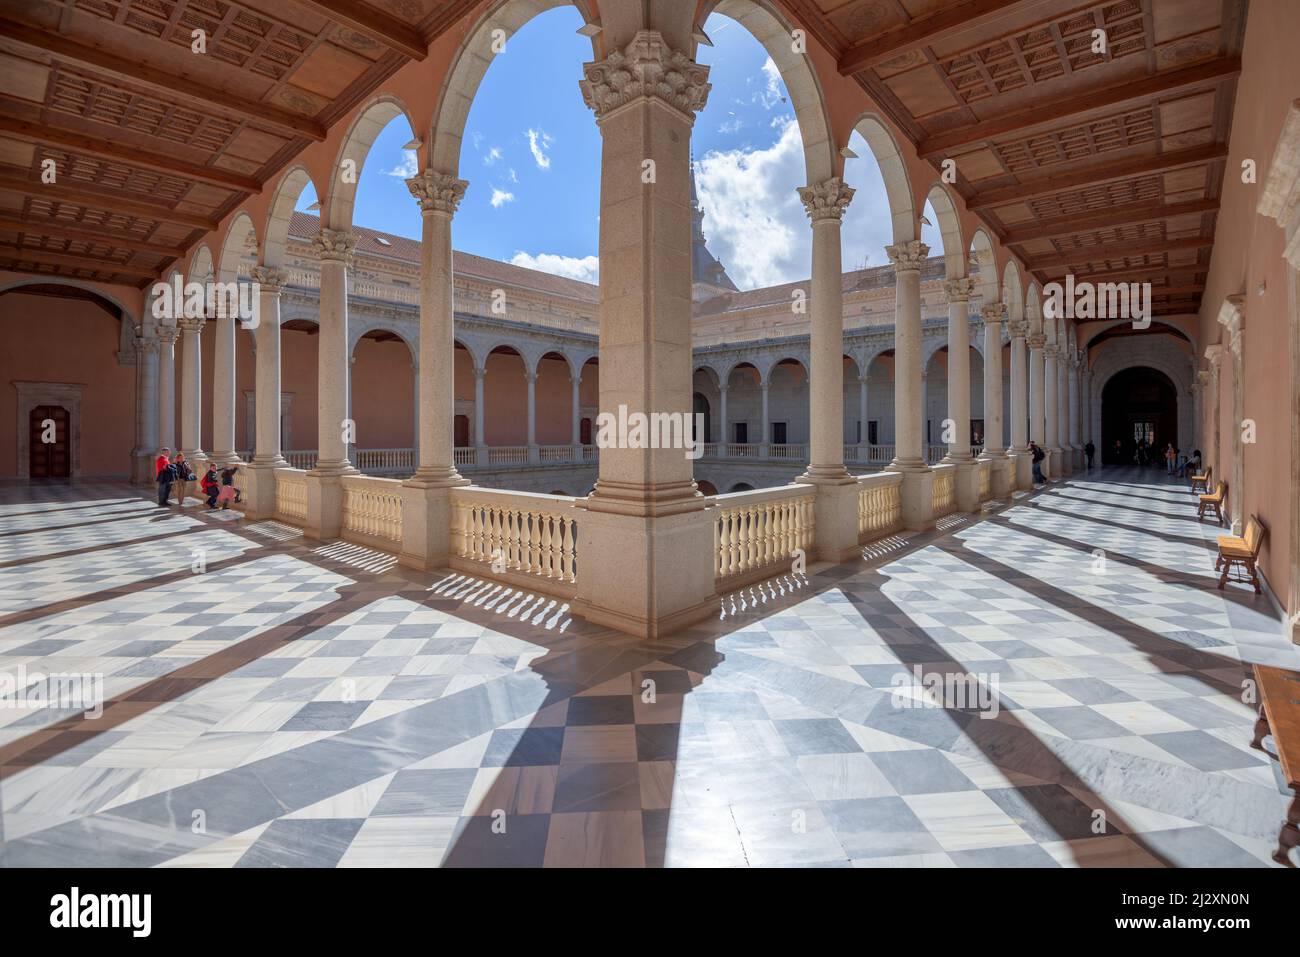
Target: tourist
211,486
1171,456
184,476
1038,456
1089,451
1193,465
164,475
228,491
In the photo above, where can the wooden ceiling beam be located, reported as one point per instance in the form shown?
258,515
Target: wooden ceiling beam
105,149
1091,176
1140,273
1107,219
63,230
1056,112
1141,247
102,266
162,82
373,22
110,202
923,31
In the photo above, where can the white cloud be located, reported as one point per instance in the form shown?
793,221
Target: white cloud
539,141
514,177
492,156
586,269
407,168
773,93
500,197
732,125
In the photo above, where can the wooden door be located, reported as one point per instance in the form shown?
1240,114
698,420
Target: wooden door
49,452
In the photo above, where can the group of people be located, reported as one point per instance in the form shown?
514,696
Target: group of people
173,471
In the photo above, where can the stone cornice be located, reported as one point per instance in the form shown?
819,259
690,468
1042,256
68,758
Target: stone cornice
646,67
826,200
909,255
437,192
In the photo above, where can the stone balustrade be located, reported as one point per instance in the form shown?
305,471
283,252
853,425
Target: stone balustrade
880,505
523,538
985,479
372,511
385,460
944,501
291,495
757,534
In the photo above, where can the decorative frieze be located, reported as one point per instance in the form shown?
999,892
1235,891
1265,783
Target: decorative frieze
646,67
437,192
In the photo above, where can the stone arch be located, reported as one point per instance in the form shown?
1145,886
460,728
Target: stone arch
1155,352
234,247
766,368
201,265
709,368
410,337
949,225
1034,309
469,66
982,257
379,112
128,314
1012,291
898,187
771,30
276,233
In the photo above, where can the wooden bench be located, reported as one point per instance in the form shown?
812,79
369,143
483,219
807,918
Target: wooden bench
1243,551
1214,500
1201,482
1279,716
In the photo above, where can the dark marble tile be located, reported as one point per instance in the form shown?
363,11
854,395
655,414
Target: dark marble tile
302,843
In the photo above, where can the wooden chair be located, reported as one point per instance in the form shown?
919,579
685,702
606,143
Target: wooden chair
1215,500
1202,481
1243,551
1279,717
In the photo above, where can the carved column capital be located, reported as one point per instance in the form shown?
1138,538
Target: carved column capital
167,335
269,279
1017,328
991,312
437,192
826,200
192,324
334,245
908,255
146,345
959,289
1037,341
646,67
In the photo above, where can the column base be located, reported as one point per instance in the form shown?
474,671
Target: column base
325,502
142,472
966,485
644,501
646,576
426,519
916,494
260,488
835,514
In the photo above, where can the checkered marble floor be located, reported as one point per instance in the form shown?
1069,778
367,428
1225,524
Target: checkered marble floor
274,701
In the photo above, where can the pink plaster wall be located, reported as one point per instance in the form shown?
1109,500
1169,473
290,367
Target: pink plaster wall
48,339
1247,252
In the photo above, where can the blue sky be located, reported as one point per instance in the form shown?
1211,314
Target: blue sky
532,158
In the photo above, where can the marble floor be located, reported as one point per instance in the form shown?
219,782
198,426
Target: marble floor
274,701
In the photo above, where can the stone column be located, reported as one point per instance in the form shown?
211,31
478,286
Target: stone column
167,387
191,330
324,482
1038,393
909,451
1076,433
645,549
1001,477
576,381
223,387
530,376
426,495
864,382
267,455
722,421
1063,409
836,508
480,439
146,409
967,479
1231,317
762,434
1051,415
1018,328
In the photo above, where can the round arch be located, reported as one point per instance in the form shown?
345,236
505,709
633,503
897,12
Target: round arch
235,247
954,250
985,262
276,233
201,265
898,187
1156,352
361,136
1013,291
1034,309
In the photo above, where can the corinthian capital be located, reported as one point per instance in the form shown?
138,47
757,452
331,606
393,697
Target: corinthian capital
146,345
991,312
190,324
908,255
437,192
334,244
1017,328
646,67
268,278
1037,341
827,199
958,290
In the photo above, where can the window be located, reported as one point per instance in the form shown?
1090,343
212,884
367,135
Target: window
873,432
778,433
740,430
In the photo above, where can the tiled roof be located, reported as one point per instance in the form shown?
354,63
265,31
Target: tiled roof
303,226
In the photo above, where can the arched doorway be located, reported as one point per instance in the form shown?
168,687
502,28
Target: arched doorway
1137,403
700,406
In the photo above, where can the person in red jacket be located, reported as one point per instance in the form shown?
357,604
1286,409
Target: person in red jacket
211,486
165,475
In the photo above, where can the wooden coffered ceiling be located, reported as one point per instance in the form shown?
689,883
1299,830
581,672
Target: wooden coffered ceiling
153,144
1100,164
